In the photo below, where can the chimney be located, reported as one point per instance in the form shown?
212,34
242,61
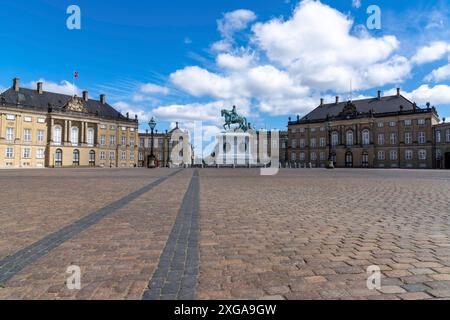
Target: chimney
337,99
379,95
176,125
16,82
128,115
39,87
298,117
102,99
398,92
85,96
321,102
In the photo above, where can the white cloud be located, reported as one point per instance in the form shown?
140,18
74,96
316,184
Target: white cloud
233,62
153,88
433,52
439,94
231,23
64,87
440,74
323,53
124,107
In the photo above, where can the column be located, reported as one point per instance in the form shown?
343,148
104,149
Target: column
50,134
18,135
2,126
69,131
86,132
82,140
65,131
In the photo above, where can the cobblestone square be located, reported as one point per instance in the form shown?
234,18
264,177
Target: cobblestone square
224,233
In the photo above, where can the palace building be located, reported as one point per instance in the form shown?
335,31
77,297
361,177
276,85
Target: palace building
44,129
380,132
442,145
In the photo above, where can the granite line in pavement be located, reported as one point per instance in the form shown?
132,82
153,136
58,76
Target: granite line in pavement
16,262
177,272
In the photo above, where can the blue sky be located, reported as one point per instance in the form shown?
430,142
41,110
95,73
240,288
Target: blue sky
186,60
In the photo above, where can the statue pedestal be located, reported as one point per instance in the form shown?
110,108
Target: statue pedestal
236,149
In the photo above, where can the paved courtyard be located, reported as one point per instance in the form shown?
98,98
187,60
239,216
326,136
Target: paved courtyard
224,233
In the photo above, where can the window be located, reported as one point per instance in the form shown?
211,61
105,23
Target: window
313,129
74,136
422,137
132,156
124,140
322,156
27,135
381,155
102,140
447,135
40,135
438,136
294,143
409,155
10,134
323,142
26,153
9,153
421,121
132,142
381,139
380,124
302,130
112,155
293,156
141,142
302,156
302,143
313,156
365,160
322,129
349,138
366,137
408,122
41,120
112,140
393,155
313,143
123,155
392,123
28,119
76,158
10,117
422,154
393,138
90,137
334,139
438,154
58,158
408,138
141,156
294,131
102,155
57,135
40,153
103,126
112,128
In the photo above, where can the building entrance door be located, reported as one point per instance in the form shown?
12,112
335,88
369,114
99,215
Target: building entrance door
349,160
447,160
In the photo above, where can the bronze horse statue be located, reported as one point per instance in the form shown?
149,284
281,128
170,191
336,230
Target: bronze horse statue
231,117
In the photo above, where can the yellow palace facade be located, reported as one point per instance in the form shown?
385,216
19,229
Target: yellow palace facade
44,129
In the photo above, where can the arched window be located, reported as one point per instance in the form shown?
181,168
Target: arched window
76,158
349,138
74,136
365,160
334,138
57,134
366,137
349,160
90,137
58,158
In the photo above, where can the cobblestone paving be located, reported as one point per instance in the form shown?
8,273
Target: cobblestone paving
303,234
311,234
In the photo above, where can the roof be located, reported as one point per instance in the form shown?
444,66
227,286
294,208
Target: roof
28,98
381,105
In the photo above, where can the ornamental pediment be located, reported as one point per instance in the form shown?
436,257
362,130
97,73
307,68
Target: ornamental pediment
75,105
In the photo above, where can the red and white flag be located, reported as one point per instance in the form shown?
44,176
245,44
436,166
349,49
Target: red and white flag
75,74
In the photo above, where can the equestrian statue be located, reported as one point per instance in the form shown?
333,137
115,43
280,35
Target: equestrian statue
232,117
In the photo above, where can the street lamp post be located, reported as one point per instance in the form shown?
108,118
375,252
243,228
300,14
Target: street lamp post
330,164
151,160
